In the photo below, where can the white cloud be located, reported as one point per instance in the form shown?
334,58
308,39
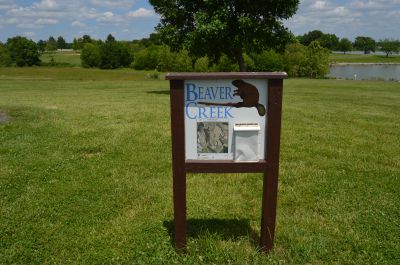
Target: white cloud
7,5
77,23
29,34
29,26
109,17
319,5
347,19
46,21
47,5
142,12
114,4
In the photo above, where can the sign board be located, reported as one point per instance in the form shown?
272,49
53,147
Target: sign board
226,123
212,110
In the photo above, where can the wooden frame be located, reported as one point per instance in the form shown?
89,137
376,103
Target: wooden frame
269,166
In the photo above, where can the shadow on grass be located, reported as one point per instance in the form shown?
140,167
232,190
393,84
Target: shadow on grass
226,229
159,92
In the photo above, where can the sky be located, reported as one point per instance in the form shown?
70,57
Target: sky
135,19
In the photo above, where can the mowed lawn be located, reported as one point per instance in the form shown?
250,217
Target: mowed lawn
85,175
363,58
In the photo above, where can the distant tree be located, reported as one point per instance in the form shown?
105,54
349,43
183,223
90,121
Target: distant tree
109,57
311,36
5,56
23,52
147,59
317,60
78,43
61,43
90,55
41,44
125,54
114,54
268,61
389,46
295,60
231,27
329,41
366,44
51,44
345,45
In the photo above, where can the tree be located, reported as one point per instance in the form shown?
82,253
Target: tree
109,57
79,43
329,41
232,27
311,36
23,52
114,54
51,44
345,45
90,55
389,46
61,43
5,57
41,44
365,44
317,60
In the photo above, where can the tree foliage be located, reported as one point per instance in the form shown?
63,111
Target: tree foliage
110,54
345,45
61,43
232,27
366,44
23,52
329,41
5,57
389,46
90,55
51,44
79,43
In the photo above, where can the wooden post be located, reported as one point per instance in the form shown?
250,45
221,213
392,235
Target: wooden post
178,162
270,185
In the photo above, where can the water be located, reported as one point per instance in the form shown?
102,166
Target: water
366,71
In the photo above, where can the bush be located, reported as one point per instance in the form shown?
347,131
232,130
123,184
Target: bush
110,54
202,64
295,60
5,57
147,59
225,64
268,61
311,61
183,62
23,52
317,60
90,55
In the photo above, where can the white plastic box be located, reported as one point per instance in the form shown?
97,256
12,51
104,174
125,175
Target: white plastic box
246,142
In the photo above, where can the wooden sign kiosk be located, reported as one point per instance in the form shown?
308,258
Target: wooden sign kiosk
210,103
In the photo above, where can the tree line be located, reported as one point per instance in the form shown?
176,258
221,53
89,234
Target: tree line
361,43
302,56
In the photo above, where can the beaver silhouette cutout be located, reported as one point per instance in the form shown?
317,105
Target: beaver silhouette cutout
248,93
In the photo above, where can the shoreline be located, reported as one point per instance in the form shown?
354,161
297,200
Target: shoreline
333,64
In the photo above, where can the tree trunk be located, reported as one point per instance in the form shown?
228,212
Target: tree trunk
240,60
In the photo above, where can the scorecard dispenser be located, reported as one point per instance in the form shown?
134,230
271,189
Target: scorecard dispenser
226,123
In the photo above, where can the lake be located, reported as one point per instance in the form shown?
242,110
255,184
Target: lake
365,71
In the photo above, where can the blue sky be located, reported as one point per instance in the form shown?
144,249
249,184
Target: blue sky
135,19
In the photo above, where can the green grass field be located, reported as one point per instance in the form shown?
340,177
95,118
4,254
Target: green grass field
70,58
363,58
85,175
